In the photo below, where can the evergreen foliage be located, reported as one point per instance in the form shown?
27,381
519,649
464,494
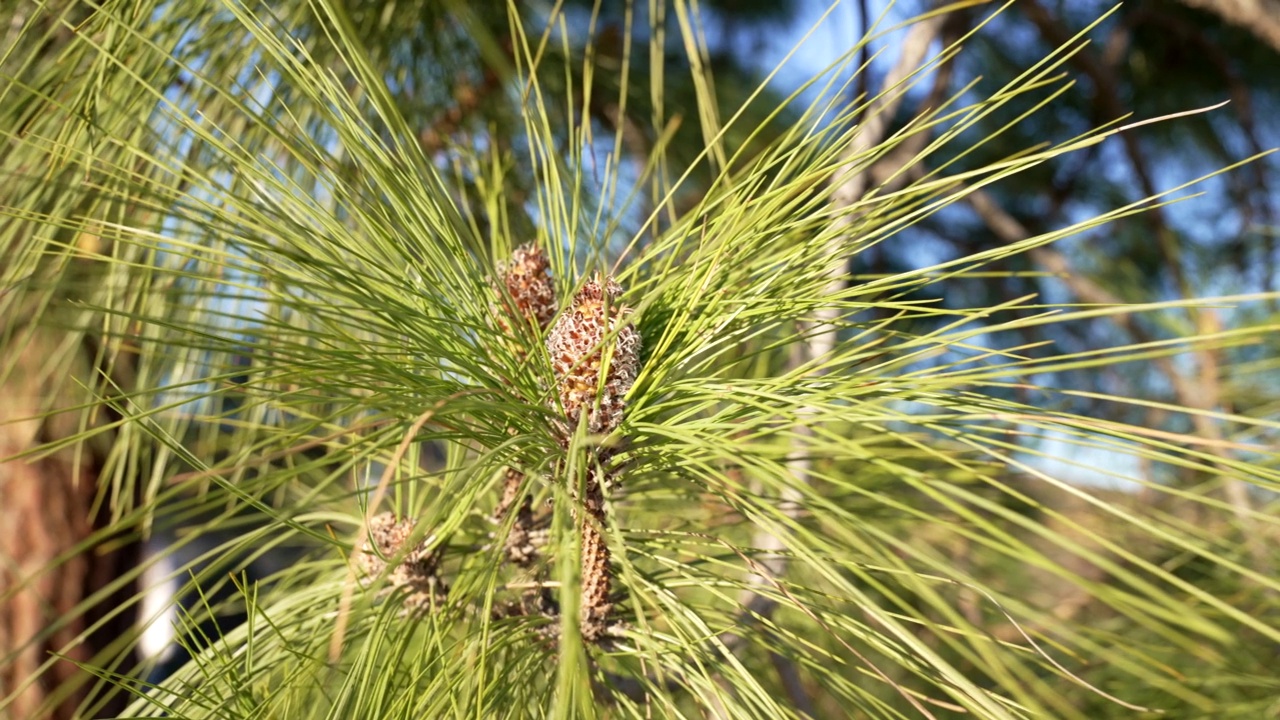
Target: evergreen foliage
317,247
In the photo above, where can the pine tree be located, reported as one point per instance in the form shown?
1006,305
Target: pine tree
556,416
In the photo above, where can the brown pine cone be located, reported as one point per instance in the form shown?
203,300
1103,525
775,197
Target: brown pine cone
577,345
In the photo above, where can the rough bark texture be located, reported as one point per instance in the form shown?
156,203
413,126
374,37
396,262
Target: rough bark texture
46,510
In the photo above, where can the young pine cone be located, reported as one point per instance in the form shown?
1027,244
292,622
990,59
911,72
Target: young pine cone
597,576
521,545
417,572
577,347
527,279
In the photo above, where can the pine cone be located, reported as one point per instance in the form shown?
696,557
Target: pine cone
417,571
576,345
597,576
520,546
385,538
527,278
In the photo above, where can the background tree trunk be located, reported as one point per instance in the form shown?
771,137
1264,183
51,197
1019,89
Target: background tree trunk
49,509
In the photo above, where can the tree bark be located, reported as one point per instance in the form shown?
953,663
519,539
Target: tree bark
50,562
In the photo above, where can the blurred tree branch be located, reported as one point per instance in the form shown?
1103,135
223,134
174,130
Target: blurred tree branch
1260,17
1199,388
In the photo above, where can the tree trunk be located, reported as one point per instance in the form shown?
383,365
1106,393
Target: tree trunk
48,510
